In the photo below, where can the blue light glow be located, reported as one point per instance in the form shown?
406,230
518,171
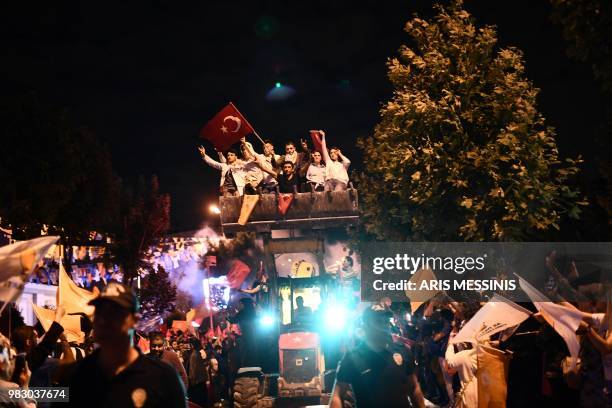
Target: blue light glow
335,317
267,320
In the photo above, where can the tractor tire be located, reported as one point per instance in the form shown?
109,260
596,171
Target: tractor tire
246,390
349,399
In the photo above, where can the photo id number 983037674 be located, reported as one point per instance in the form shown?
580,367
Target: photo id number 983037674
40,394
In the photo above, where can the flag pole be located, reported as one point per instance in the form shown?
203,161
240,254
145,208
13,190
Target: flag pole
247,121
256,135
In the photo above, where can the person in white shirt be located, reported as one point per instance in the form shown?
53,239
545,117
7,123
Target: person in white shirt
253,176
316,172
232,174
266,163
464,363
336,167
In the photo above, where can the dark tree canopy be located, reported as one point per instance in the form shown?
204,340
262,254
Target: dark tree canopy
52,173
157,296
145,218
587,28
461,151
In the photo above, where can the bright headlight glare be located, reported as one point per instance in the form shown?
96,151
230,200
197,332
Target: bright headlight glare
335,317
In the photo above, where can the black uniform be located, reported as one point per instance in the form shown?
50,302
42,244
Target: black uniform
146,383
378,379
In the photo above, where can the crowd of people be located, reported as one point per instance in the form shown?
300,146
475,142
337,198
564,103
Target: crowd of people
85,277
407,355
540,371
253,173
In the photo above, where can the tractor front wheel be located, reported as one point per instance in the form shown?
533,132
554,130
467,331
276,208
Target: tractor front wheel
246,391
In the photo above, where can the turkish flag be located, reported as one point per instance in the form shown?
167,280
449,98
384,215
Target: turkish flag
237,274
315,136
226,128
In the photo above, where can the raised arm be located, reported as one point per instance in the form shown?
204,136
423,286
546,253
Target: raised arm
259,159
212,163
324,147
592,321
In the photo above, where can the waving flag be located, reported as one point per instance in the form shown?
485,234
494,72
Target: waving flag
315,136
199,313
563,319
226,128
237,274
70,323
17,262
21,257
73,298
497,315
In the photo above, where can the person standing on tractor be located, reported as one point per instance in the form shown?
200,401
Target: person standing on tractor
259,288
246,319
379,372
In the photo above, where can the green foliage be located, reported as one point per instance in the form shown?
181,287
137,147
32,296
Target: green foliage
461,151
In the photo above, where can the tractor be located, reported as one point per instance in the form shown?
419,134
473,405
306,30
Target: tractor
301,307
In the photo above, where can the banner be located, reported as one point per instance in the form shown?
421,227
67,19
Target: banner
248,204
497,315
284,201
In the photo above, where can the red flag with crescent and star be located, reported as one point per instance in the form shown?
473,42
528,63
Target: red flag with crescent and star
226,128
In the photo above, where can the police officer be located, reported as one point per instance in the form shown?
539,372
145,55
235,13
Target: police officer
379,372
117,374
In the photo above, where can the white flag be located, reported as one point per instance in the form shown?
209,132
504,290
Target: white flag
498,314
21,257
563,319
17,262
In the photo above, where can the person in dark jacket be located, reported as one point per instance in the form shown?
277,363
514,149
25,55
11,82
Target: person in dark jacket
25,341
199,378
158,351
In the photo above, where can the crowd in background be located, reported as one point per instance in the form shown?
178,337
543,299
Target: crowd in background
207,360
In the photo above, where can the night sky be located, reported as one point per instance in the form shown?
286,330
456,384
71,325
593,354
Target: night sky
145,76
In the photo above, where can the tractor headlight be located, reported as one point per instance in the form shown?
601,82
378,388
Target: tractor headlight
336,317
267,320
